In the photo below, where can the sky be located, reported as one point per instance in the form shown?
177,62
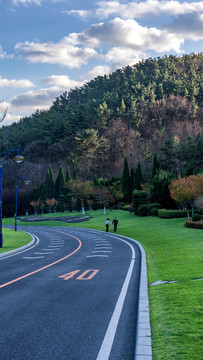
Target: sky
48,47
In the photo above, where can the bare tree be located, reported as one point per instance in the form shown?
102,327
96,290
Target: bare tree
3,111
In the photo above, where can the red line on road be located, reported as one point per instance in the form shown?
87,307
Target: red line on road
47,266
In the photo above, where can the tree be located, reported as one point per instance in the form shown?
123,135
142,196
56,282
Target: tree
156,166
186,190
3,111
35,205
49,184
126,182
60,183
138,178
104,196
81,190
159,190
51,203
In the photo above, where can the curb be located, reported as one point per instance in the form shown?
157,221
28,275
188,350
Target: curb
22,248
143,344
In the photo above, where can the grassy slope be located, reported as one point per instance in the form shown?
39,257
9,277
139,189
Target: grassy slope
173,253
13,240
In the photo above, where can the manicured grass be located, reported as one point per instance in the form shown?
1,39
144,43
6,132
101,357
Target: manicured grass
174,252
13,240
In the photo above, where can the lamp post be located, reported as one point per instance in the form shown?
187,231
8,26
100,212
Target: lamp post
16,207
18,159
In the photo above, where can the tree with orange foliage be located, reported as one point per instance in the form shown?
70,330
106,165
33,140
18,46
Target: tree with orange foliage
35,205
51,203
186,190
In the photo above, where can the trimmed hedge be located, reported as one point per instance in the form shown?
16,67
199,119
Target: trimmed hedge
142,210
154,205
170,214
194,224
196,217
154,211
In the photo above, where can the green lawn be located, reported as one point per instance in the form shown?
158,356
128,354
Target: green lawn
13,240
173,253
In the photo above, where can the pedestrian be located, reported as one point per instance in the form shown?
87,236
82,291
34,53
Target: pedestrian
107,223
115,224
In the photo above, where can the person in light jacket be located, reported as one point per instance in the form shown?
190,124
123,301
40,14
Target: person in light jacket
107,223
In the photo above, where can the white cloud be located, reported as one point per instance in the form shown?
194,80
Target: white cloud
128,33
99,70
15,83
80,13
27,2
63,81
180,25
147,8
122,56
62,53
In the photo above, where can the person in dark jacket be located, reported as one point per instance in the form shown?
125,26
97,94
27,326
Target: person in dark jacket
115,224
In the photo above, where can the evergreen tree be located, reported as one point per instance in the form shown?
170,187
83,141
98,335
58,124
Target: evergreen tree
156,166
159,190
126,182
138,178
132,174
78,204
49,184
69,202
61,204
60,183
74,174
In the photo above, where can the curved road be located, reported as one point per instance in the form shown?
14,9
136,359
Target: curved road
72,296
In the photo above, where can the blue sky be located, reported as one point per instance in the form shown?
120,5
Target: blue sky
50,46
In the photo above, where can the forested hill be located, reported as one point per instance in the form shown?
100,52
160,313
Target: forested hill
129,113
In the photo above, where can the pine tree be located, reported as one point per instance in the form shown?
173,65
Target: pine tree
156,166
68,177
138,178
49,184
61,204
69,202
126,182
60,183
74,174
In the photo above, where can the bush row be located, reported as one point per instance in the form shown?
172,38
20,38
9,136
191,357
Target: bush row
194,224
171,214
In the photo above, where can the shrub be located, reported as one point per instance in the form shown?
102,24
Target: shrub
125,207
154,205
154,211
170,214
196,217
194,224
142,210
139,198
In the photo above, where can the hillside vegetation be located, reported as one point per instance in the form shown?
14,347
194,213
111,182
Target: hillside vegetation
129,113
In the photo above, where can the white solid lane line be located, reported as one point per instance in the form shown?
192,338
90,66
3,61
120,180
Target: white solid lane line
107,343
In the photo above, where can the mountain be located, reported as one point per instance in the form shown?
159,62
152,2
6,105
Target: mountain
128,114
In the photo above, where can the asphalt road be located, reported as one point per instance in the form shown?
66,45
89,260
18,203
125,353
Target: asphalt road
72,296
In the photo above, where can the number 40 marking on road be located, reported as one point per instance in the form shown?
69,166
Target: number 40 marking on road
83,276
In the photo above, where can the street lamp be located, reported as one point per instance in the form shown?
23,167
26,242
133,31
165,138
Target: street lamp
18,159
26,182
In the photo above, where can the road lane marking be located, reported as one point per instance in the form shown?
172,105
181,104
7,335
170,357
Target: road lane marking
82,276
44,253
104,352
97,255
101,251
33,257
47,266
